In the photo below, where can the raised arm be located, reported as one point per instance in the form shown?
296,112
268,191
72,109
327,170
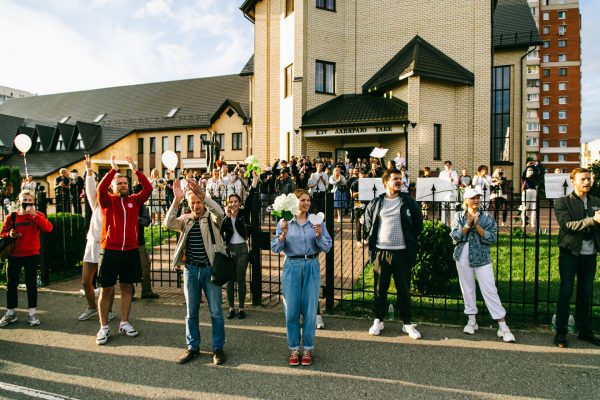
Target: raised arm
103,196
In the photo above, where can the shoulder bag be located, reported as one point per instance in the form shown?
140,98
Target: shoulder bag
223,265
7,244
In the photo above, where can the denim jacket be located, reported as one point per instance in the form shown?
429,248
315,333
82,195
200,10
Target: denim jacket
479,247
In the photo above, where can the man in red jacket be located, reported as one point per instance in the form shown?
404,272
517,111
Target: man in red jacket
120,257
25,226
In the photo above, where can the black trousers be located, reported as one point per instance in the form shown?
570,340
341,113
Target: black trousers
390,263
13,274
570,266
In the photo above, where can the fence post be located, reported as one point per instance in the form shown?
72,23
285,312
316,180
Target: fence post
256,276
329,257
536,292
44,267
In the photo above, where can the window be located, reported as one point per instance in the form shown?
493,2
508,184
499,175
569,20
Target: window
171,113
545,58
500,113
562,115
64,119
562,15
190,144
289,7
325,77
236,141
562,57
326,4
221,140
533,97
546,30
562,157
533,10
562,29
545,129
546,16
562,143
562,100
437,141
152,145
546,158
60,144
533,69
165,143
546,101
562,71
533,126
37,146
532,114
532,141
79,142
177,144
99,117
202,145
546,44
531,83
534,55
545,144
546,72
545,115
562,129
546,87
140,145
562,43
287,81
562,85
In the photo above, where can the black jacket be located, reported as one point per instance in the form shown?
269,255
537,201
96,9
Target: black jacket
575,222
241,221
411,221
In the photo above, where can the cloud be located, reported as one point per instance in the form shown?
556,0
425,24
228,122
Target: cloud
590,71
155,8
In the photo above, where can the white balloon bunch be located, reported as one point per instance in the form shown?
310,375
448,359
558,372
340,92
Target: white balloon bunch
286,206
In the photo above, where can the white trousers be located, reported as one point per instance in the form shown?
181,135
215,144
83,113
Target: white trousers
528,206
487,286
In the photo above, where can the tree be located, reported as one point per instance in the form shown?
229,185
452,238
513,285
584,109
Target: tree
595,168
15,178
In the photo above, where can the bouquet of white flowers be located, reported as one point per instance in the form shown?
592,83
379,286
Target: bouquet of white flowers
252,164
286,206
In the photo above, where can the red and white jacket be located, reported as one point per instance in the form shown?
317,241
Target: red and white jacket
30,226
120,214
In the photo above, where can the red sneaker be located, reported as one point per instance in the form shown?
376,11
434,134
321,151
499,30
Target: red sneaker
295,358
307,358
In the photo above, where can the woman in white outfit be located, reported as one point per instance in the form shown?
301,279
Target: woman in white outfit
157,198
483,182
473,232
92,246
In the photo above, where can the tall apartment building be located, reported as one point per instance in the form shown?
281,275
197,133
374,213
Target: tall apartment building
553,118
10,93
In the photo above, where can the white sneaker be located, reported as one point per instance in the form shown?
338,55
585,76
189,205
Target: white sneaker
128,330
377,327
413,333
88,313
471,327
506,335
320,323
33,320
102,336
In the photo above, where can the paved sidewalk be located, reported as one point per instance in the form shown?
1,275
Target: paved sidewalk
60,356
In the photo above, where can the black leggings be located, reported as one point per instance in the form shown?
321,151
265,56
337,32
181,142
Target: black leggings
13,274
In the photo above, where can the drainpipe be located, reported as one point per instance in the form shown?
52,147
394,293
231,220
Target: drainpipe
521,111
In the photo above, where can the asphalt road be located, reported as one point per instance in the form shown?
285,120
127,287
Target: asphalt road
60,357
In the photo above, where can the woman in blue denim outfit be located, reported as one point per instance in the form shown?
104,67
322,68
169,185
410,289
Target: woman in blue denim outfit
301,241
473,232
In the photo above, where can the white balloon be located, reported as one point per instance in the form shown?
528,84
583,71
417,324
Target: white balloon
170,160
23,143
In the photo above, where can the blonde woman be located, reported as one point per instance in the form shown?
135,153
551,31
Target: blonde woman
157,197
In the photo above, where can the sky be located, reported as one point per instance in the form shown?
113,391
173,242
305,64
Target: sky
53,46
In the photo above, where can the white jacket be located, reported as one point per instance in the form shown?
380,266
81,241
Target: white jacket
95,229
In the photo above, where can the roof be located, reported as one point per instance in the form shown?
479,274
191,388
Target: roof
514,26
247,8
249,67
356,109
418,58
141,107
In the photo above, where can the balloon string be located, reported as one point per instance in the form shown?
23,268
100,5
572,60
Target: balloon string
25,161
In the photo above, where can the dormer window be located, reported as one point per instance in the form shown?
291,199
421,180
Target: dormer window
65,119
99,117
1,143
60,144
38,145
79,143
171,113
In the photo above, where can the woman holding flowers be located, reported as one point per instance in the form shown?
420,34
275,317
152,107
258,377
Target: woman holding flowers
301,237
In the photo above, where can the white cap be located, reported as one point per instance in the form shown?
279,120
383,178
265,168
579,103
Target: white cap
472,192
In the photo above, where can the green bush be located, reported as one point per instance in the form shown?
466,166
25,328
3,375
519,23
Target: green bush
435,270
64,246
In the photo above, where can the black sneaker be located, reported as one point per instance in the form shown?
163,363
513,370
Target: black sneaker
149,296
187,356
218,357
231,314
590,338
241,314
560,340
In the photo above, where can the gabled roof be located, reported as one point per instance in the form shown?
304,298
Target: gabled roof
235,106
45,133
418,58
356,109
514,26
248,68
88,132
247,8
9,126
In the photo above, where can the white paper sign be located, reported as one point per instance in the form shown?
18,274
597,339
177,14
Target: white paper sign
554,185
443,190
365,188
378,152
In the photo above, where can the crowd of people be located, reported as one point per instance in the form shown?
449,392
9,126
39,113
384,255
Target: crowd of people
216,217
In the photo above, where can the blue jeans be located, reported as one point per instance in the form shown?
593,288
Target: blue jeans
300,283
196,279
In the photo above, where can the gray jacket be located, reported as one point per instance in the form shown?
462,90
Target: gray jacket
479,247
184,224
574,222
